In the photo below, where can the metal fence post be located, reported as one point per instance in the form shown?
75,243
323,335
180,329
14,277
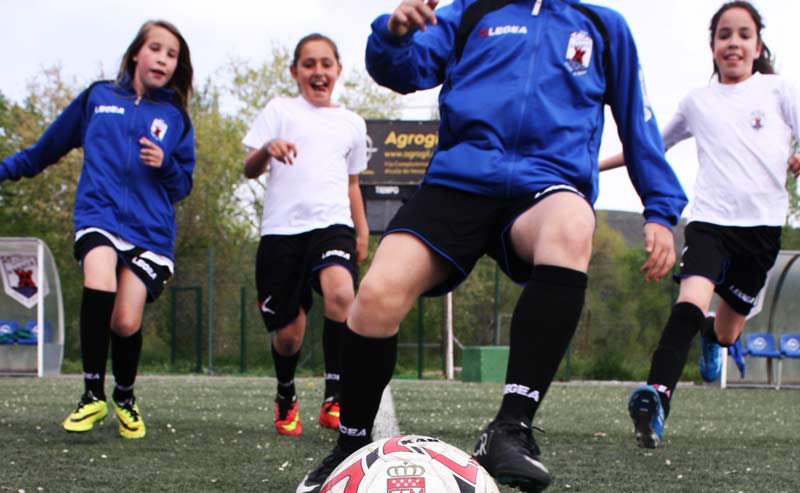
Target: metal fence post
420,337
242,324
198,308
210,311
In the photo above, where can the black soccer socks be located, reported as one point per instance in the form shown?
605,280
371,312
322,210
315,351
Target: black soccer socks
125,353
331,339
285,368
669,358
95,321
542,326
367,367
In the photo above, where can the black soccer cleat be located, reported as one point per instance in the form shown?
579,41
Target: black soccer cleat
508,451
312,483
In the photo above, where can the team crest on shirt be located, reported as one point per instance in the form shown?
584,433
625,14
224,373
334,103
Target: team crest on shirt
579,52
757,120
158,129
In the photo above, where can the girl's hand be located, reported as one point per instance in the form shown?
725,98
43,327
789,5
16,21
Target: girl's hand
411,15
794,165
281,150
362,248
150,153
660,244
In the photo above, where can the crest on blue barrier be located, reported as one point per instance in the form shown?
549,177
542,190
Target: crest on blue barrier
19,274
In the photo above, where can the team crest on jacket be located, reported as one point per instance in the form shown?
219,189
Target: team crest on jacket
158,129
579,52
757,120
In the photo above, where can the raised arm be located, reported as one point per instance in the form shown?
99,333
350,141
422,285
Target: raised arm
63,135
409,49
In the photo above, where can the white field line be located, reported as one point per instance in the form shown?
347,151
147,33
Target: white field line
386,424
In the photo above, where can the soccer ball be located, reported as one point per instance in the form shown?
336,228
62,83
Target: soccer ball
409,464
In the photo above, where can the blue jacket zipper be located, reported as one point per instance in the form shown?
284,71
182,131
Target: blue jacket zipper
529,83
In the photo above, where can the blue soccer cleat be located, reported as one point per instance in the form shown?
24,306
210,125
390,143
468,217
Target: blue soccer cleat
644,406
710,360
735,352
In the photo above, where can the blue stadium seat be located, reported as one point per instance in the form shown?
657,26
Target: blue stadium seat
8,332
762,345
29,334
789,347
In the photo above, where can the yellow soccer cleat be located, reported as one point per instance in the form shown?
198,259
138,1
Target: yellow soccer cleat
90,410
129,418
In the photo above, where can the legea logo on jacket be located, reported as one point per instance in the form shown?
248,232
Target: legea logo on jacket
579,52
109,108
158,128
486,32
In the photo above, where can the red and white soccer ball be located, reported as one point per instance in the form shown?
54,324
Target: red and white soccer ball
409,464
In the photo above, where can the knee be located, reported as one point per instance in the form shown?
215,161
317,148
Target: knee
570,242
287,341
374,297
726,340
377,310
337,300
126,325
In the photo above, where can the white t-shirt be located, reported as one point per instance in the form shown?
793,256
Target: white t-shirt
743,134
312,192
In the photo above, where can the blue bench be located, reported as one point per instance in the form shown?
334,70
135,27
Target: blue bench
789,347
8,332
762,345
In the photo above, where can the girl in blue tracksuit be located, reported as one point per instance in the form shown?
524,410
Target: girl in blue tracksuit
523,88
138,148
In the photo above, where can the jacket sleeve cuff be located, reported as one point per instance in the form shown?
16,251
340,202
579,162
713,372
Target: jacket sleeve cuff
659,220
166,167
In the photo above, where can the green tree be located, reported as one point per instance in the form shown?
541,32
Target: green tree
42,207
790,239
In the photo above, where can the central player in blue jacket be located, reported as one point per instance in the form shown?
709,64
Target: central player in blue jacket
524,85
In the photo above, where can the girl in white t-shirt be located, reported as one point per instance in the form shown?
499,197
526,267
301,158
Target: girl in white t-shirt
314,230
743,124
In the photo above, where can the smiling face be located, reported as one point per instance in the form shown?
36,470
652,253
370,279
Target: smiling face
316,71
156,60
735,45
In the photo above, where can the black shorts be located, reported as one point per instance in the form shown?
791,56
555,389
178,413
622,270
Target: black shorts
736,259
288,266
154,276
461,227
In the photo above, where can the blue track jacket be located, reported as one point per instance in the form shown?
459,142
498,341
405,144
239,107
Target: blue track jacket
117,191
522,109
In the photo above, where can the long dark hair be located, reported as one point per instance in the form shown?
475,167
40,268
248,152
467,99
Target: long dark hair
763,63
181,80
314,37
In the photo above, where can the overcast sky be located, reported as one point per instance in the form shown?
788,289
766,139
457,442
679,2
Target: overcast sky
87,36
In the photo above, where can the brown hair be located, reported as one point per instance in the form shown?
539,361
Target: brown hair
763,63
181,80
314,37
